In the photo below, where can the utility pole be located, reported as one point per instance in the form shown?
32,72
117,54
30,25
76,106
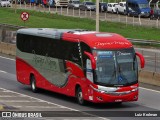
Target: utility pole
15,6
97,15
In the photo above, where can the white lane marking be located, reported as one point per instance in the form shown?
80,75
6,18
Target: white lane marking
18,101
39,99
4,96
15,106
149,89
1,71
7,58
42,107
55,104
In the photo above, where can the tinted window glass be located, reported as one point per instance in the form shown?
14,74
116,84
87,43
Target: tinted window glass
49,47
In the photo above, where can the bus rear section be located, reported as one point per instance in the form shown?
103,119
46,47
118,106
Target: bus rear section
91,66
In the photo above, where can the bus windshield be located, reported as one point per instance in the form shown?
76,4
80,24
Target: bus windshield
116,67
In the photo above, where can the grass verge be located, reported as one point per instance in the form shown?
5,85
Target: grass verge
47,20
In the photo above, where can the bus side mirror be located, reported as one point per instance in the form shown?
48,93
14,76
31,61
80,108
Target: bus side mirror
91,57
142,60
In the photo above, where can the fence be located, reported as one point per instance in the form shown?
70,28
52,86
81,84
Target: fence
104,16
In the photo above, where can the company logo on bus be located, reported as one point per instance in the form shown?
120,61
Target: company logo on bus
119,53
111,43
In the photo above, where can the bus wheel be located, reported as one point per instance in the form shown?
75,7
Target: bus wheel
33,84
79,96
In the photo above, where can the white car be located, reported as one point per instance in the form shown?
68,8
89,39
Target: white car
5,3
73,4
111,7
121,8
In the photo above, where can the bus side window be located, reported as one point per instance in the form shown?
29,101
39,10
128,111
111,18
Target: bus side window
51,48
44,43
26,47
75,54
20,42
24,43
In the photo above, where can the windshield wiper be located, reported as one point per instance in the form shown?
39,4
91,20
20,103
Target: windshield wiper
121,76
113,75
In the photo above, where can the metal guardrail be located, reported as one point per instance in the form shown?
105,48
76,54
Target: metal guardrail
151,42
11,26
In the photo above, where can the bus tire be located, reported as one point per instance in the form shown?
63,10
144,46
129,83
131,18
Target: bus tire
33,84
79,96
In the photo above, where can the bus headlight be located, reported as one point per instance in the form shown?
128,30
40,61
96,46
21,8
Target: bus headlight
134,90
96,89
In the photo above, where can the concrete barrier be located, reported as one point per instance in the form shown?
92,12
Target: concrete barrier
144,76
149,77
6,48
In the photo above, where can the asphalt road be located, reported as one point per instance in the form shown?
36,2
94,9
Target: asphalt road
149,100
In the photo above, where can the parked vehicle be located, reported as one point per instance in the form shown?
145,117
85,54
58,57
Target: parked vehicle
50,3
138,7
111,7
5,3
102,6
73,4
87,6
61,3
19,1
121,8
156,14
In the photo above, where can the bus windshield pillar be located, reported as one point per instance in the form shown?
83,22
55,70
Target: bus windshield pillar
91,57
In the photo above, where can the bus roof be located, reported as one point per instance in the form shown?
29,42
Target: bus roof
99,40
96,40
44,32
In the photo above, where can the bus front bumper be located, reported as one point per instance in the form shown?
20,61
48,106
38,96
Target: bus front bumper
103,97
